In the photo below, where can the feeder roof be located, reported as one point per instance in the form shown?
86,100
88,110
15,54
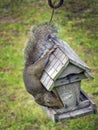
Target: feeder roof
59,59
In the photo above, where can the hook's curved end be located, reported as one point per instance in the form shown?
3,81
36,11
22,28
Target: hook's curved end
60,3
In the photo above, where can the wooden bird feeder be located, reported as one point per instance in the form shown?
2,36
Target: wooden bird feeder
63,75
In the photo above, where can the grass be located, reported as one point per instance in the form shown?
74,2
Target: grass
18,111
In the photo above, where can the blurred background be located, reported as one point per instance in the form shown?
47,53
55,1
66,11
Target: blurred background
78,23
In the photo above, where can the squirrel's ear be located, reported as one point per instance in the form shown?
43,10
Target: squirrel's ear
33,31
33,28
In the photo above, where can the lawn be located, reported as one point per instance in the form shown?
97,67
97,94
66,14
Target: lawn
18,111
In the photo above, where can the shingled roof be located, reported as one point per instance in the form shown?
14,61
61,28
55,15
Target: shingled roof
59,59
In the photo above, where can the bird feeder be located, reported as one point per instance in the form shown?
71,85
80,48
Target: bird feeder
63,75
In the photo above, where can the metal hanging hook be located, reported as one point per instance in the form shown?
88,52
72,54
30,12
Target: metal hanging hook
59,4
54,6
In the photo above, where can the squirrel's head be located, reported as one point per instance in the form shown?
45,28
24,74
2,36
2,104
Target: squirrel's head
44,30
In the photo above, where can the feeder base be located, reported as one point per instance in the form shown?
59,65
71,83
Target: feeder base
86,106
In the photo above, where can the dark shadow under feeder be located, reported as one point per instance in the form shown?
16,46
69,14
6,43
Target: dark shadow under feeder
63,75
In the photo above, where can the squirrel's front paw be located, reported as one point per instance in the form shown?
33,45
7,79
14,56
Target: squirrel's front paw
51,50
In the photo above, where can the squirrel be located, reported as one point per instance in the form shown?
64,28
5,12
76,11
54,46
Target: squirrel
36,58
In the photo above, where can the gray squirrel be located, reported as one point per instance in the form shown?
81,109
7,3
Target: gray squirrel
37,54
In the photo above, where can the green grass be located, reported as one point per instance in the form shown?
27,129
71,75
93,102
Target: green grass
18,111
